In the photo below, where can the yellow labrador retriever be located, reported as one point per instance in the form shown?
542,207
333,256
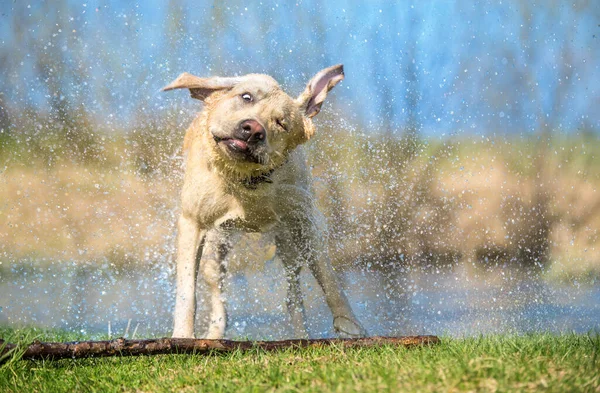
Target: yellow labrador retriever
246,172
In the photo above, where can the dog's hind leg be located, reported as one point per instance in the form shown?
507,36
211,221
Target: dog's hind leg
189,249
344,321
212,269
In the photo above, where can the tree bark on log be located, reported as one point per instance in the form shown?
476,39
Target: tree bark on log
124,347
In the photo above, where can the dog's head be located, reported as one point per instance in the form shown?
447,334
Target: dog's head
253,123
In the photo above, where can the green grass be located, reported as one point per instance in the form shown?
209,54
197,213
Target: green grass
537,362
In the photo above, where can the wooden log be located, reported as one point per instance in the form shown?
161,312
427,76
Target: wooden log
123,347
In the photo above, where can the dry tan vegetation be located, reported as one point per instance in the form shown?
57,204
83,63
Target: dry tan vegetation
87,213
460,201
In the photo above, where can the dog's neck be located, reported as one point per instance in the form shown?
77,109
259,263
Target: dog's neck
253,182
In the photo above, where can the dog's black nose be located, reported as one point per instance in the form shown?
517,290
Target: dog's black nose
252,131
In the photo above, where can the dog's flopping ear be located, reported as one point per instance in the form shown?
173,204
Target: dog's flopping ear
200,88
317,88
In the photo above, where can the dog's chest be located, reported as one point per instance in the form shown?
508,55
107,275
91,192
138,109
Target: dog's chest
250,211
244,210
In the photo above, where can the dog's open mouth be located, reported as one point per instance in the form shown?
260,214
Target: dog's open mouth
239,149
235,145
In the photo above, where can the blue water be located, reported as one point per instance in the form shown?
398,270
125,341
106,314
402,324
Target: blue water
451,302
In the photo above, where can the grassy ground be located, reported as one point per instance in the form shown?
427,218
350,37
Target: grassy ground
537,362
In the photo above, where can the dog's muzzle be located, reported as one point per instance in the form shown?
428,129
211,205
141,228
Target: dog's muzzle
247,136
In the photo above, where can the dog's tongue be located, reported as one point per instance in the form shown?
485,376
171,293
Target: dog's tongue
239,144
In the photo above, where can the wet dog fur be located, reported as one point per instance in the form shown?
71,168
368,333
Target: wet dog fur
246,171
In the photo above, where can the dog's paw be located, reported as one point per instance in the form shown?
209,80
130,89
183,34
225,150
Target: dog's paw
182,334
348,327
212,335
216,331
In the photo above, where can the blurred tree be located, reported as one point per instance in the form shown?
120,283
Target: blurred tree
4,120
213,32
176,33
533,240
397,155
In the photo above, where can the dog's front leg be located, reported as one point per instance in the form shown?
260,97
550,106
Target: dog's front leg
212,268
294,301
292,261
189,248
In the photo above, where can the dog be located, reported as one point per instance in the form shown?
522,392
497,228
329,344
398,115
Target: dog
245,170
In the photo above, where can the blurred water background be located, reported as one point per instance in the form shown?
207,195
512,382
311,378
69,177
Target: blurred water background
457,163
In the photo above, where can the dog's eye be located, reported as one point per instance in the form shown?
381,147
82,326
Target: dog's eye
281,124
247,97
